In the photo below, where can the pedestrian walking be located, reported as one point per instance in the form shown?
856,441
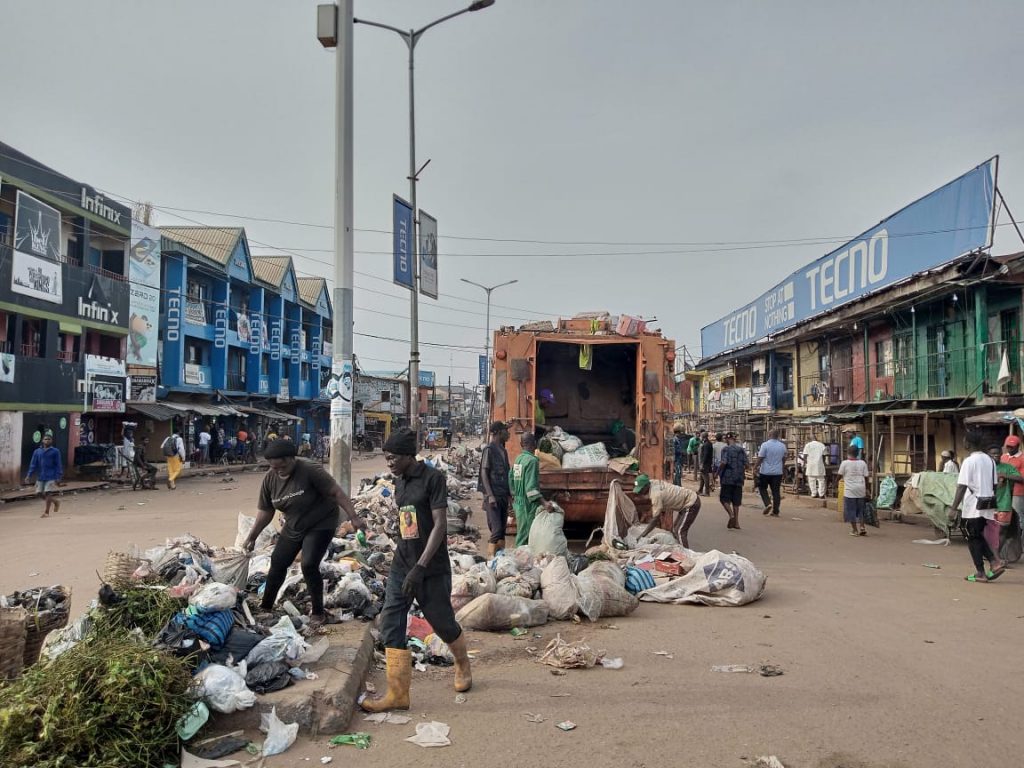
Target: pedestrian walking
732,473
420,571
666,497
47,466
854,472
309,500
975,491
718,443
679,443
813,456
769,466
706,459
949,464
691,453
204,446
494,485
173,448
1013,456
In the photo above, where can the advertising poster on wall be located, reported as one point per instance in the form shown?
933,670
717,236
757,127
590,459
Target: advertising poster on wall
7,368
144,264
38,278
36,228
143,389
428,254
143,324
105,394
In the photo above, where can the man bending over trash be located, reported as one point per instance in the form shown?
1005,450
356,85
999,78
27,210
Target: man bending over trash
666,497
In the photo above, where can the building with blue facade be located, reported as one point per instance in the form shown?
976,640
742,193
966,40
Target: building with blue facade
243,340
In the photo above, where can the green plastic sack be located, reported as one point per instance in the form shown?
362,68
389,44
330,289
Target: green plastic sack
886,493
357,740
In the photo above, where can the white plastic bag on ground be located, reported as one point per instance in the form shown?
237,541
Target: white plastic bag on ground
516,586
224,689
716,579
559,589
280,735
590,456
214,596
432,734
284,644
657,536
505,567
498,612
546,534
245,524
523,556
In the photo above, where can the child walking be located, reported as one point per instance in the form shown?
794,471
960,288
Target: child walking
854,472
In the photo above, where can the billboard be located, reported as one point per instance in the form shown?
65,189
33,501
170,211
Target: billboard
941,226
428,254
36,228
144,260
403,235
143,324
484,378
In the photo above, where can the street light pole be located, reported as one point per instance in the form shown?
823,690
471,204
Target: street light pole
411,37
334,30
487,339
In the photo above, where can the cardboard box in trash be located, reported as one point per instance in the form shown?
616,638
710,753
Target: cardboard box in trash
630,326
669,564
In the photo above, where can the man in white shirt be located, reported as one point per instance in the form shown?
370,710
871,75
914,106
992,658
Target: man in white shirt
666,497
204,446
976,489
813,455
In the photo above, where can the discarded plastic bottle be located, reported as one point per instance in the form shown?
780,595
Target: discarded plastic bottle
361,538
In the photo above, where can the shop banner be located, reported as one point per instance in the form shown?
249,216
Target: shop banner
7,368
143,324
144,264
943,225
105,394
36,228
484,379
428,254
143,388
38,278
402,233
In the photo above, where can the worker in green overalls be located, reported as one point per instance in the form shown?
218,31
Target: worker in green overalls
524,482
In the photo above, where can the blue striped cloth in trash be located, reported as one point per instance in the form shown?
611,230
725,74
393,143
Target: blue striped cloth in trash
638,579
213,627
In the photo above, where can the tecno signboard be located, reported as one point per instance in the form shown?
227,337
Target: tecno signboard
944,225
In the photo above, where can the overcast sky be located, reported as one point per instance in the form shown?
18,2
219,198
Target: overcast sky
654,126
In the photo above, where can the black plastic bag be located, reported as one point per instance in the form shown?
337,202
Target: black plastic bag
268,676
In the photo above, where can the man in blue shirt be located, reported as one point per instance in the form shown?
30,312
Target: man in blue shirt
856,441
48,467
769,466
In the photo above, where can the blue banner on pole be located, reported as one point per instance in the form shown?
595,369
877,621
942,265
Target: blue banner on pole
426,378
944,225
402,229
483,371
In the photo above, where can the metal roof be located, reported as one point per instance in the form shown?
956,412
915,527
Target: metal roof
309,289
270,269
215,243
155,411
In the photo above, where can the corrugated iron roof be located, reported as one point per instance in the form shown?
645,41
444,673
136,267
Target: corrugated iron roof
270,269
215,243
309,289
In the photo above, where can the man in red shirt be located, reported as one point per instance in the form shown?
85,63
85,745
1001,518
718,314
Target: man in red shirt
1013,456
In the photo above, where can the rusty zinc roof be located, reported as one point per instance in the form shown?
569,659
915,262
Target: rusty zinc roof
309,289
215,243
270,269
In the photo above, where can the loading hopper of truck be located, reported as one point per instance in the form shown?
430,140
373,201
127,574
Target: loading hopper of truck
598,378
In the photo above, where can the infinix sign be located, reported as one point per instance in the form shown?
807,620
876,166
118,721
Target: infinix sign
97,307
97,204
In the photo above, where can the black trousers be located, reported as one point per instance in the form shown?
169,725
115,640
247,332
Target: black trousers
313,546
974,528
773,482
497,518
435,600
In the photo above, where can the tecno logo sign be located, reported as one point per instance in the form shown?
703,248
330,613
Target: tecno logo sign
220,327
172,329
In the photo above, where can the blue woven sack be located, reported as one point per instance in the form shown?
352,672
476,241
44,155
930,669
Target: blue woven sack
638,579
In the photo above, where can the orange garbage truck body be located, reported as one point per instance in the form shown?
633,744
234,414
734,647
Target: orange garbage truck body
602,382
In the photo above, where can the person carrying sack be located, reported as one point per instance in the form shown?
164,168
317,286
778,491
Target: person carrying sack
173,448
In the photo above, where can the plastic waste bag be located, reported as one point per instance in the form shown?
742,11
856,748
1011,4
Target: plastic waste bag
560,589
499,612
614,599
886,493
505,567
268,676
245,524
224,689
546,534
716,579
280,735
214,597
231,567
284,643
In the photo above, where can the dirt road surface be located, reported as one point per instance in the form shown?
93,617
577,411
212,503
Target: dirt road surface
888,664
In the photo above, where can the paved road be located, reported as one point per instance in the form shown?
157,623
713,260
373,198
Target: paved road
888,664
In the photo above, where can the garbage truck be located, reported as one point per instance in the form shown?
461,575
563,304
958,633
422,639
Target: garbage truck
605,380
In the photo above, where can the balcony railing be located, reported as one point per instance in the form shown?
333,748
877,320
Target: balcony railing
236,381
30,350
66,355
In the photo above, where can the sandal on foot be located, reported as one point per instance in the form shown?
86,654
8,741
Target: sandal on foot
974,578
862,532
993,575
854,533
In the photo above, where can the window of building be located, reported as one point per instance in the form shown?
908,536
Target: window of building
109,260
385,396
264,365
6,331
286,368
33,337
884,367
193,353
304,372
904,351
69,347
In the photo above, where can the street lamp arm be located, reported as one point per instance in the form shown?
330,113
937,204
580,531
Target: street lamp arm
418,33
403,32
489,288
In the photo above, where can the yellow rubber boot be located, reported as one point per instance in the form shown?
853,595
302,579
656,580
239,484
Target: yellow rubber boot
399,671
463,673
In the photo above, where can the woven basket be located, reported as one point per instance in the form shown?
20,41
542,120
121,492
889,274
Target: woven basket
42,623
119,568
12,642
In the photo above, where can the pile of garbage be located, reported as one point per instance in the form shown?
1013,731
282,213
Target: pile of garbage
560,450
